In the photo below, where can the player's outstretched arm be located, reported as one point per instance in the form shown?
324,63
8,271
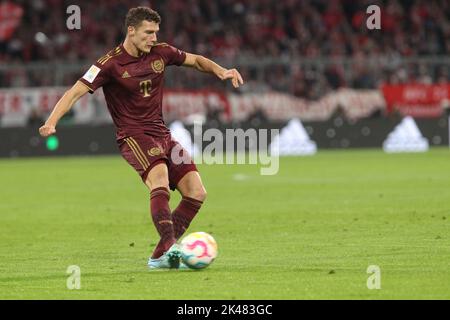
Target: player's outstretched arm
64,104
206,65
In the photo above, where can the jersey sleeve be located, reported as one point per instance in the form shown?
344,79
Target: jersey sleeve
172,55
96,76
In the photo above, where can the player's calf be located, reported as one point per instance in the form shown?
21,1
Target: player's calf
184,214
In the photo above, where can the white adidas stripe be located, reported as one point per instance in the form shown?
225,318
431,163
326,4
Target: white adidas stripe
406,137
293,140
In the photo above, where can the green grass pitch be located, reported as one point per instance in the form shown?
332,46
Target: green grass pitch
309,232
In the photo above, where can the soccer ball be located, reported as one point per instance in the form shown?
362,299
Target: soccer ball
198,250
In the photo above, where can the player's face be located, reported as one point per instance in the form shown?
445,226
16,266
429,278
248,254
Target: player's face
144,36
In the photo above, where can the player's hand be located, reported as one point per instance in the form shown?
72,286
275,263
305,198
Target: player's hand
47,130
234,75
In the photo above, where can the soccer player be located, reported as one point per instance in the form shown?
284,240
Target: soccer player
132,77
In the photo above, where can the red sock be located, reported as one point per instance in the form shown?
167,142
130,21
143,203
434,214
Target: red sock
162,219
183,215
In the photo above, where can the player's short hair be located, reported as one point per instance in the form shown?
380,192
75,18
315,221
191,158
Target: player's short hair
135,16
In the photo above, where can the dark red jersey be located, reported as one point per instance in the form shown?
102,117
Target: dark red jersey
133,87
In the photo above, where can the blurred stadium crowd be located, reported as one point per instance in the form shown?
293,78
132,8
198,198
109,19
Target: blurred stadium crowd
305,47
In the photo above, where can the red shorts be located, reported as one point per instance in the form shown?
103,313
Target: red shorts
144,151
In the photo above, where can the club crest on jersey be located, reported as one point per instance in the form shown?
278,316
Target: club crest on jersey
157,65
154,151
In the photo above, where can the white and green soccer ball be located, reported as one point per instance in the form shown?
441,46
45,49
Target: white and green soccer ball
198,250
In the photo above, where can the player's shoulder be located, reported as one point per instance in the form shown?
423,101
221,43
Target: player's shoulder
111,57
166,51
162,47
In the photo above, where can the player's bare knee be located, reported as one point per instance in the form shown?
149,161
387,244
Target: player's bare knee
203,195
198,194
158,177
160,184
157,182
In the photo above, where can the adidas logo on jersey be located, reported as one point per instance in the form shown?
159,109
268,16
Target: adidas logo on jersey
125,75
